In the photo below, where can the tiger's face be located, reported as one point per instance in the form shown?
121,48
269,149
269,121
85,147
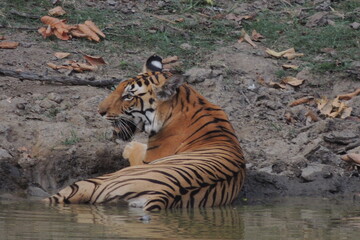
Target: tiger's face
133,104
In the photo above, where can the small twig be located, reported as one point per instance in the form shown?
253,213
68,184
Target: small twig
160,18
246,98
20,28
22,14
63,79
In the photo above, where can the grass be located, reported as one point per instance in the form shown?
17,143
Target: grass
72,139
282,30
142,32
203,34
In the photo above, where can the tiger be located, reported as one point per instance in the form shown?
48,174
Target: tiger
192,157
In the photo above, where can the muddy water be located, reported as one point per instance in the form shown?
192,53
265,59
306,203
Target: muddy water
292,218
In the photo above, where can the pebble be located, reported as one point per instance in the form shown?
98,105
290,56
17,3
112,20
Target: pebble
4,155
55,97
355,25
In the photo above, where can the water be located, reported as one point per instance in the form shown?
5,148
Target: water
291,218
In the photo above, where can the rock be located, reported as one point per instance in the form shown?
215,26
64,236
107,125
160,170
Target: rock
4,155
321,154
318,19
37,192
55,97
342,137
355,25
186,46
197,75
312,172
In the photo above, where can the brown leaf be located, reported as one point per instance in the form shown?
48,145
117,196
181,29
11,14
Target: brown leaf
327,109
77,33
247,38
180,20
292,81
173,65
346,113
289,118
290,66
61,34
94,60
55,23
83,67
91,35
57,11
9,45
291,56
312,116
56,67
301,101
94,28
256,36
61,55
349,95
276,85
351,157
2,37
321,102
279,54
170,59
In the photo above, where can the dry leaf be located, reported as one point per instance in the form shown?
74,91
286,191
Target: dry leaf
57,11
9,45
312,116
279,54
276,85
170,59
346,113
351,157
290,66
77,33
83,67
349,95
61,34
289,118
2,37
292,81
261,81
61,55
180,20
256,36
56,67
94,60
89,33
173,65
94,28
301,101
338,110
247,38
321,102
291,56
326,108
56,23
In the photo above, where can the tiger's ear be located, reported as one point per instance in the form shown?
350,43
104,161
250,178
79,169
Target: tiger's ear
153,64
168,89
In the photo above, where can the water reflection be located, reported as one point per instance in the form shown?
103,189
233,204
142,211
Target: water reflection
284,219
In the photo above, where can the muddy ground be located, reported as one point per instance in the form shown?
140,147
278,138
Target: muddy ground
51,134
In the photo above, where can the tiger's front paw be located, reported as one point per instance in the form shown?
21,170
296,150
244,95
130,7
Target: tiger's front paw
135,153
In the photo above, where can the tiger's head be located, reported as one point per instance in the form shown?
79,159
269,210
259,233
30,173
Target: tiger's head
133,105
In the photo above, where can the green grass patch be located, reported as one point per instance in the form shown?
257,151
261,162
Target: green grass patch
72,139
282,31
